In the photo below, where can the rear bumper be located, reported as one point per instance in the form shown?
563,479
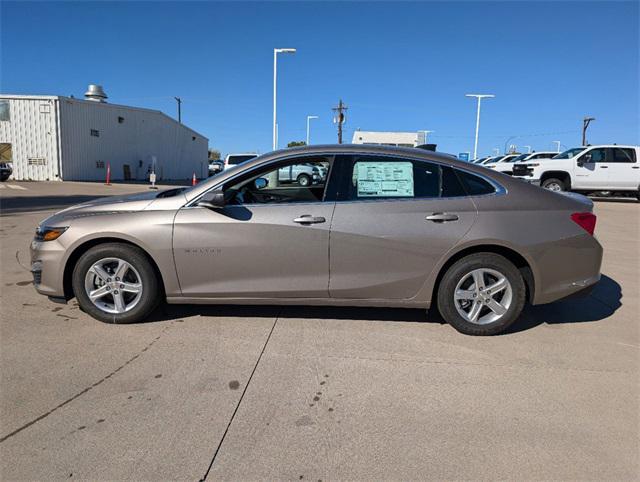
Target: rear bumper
567,268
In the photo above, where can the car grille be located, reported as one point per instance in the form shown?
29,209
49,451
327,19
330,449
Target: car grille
522,170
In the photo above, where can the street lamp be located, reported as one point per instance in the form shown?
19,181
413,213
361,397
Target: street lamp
528,149
557,143
309,117
479,97
275,84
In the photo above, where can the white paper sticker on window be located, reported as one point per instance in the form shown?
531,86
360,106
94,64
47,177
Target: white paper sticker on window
384,179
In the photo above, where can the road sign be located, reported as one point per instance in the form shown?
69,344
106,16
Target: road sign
463,156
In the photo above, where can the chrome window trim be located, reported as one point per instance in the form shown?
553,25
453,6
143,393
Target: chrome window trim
500,190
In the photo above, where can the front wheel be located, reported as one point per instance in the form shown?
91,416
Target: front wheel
116,283
481,294
553,184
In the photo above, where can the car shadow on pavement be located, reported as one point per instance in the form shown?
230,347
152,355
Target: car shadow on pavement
602,303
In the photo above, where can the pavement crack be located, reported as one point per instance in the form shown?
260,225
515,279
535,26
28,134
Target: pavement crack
246,386
79,394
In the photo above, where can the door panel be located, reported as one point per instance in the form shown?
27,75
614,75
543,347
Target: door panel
624,169
592,170
387,249
253,251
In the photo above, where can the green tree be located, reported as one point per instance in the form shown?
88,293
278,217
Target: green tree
214,154
296,143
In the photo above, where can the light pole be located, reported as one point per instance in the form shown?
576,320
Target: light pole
275,89
585,124
309,117
557,143
479,97
528,149
426,133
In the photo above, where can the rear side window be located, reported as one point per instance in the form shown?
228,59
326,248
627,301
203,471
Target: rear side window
623,155
475,185
374,177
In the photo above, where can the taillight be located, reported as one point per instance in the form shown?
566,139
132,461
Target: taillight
586,221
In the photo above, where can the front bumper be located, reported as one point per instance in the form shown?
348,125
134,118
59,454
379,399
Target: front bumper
47,267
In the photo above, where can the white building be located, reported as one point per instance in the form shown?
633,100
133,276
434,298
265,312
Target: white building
63,138
401,139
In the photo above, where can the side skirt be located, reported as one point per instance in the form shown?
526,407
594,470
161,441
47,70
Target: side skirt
180,300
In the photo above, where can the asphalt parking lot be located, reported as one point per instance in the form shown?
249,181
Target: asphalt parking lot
303,393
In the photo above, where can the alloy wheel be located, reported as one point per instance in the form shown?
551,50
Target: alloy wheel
113,285
483,296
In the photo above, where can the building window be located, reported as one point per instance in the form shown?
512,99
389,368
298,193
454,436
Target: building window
193,138
6,152
45,108
36,161
5,113
95,132
120,120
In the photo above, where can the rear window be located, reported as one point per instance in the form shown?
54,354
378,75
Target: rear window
621,154
475,185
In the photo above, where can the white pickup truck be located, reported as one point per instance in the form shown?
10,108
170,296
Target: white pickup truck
607,168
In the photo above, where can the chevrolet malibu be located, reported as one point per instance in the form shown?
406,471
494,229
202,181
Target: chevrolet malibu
386,227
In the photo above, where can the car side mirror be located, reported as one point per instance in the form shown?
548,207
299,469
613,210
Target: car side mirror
213,199
261,183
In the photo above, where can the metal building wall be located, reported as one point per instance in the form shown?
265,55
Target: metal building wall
127,136
32,132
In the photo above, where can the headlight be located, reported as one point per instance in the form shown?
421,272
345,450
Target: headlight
46,233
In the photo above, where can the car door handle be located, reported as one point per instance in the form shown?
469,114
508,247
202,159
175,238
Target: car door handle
442,217
309,219
635,167
604,167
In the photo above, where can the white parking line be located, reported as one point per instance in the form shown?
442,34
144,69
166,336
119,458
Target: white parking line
13,186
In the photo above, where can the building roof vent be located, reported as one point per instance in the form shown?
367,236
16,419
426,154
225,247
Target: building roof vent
95,93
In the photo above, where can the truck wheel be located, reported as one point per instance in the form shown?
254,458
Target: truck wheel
481,294
553,184
304,180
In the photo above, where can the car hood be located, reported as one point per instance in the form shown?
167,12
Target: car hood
103,205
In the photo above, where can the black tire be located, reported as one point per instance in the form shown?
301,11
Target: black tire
460,269
552,182
151,290
304,180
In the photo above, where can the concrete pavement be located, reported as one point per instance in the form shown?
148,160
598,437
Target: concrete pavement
317,393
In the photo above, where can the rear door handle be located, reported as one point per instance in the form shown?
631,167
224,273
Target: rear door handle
442,217
604,167
309,219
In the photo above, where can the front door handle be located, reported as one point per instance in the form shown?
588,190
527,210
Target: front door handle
442,217
604,167
309,219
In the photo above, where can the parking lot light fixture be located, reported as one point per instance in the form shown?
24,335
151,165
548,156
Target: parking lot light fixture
275,89
309,117
557,143
528,149
479,97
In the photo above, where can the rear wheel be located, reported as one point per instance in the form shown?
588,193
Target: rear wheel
481,294
553,184
304,180
116,283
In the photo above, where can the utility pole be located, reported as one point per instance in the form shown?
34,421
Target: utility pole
585,123
339,118
179,101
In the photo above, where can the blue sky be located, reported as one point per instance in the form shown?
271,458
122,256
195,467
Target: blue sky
398,66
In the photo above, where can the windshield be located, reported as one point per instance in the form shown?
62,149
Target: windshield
519,158
569,153
233,160
494,159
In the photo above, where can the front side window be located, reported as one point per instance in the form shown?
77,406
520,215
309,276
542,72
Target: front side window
621,154
594,155
387,178
299,180
5,112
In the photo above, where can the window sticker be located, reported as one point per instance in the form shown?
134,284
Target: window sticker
384,179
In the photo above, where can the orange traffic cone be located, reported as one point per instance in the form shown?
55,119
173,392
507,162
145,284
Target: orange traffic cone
193,179
108,183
